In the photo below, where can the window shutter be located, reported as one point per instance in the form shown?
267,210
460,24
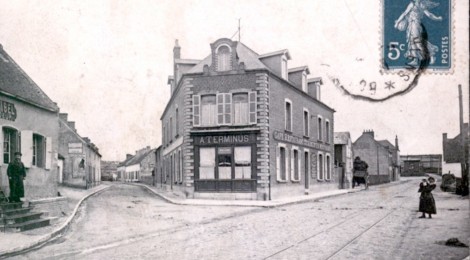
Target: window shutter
48,153
228,109
252,104
27,148
292,165
220,108
1,145
278,162
196,110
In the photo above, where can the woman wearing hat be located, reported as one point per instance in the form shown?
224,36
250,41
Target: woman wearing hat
16,174
426,200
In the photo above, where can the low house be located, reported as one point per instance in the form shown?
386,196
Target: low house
344,158
420,164
453,152
139,167
109,170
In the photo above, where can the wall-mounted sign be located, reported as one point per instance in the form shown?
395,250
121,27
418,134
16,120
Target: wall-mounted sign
75,148
7,111
224,139
288,138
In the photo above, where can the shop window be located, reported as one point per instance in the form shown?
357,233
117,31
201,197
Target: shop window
328,167
320,167
295,164
10,144
224,160
288,115
38,150
208,110
327,131
223,58
320,125
306,123
243,162
224,109
207,163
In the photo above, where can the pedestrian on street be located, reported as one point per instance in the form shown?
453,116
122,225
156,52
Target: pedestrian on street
16,174
426,200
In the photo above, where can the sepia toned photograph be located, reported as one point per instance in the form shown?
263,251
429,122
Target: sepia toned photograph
306,129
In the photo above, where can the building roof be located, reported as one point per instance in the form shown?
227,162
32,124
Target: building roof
316,79
138,158
16,83
187,61
301,68
341,137
386,143
276,53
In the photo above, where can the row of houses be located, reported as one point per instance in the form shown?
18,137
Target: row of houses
244,125
31,123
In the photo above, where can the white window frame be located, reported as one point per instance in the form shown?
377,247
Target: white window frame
285,114
308,122
320,128
327,131
229,57
278,162
198,115
304,81
292,169
318,166
284,66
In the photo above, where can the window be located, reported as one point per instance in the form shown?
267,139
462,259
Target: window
10,144
176,122
224,109
224,159
288,116
223,58
252,97
284,68
207,163
295,164
327,131
170,136
320,125
306,123
240,108
38,150
242,162
208,109
282,162
328,167
320,167
304,81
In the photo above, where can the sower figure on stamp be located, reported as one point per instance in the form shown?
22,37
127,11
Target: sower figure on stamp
426,200
16,174
360,174
419,48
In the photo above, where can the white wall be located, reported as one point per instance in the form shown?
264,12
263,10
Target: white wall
454,168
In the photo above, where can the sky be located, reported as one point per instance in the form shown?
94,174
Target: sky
106,63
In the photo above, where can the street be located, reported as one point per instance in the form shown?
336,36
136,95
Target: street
127,222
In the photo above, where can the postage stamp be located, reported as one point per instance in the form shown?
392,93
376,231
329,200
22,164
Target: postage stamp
417,33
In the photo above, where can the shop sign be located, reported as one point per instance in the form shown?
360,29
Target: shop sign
7,110
75,148
288,138
224,139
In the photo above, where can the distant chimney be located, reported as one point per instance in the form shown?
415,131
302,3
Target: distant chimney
72,125
176,50
63,116
444,136
87,139
128,156
369,132
396,143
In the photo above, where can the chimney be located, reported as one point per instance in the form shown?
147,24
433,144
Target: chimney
86,139
176,50
128,156
369,132
444,136
396,143
72,125
63,116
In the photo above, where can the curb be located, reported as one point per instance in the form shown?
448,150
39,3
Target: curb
267,205
51,236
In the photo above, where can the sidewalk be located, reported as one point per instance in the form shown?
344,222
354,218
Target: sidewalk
11,243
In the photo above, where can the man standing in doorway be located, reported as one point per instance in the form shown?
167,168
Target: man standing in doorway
16,174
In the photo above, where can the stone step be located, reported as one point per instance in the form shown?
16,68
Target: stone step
21,218
10,212
28,225
7,206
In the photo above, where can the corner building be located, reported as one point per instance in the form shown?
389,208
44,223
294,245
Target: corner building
240,125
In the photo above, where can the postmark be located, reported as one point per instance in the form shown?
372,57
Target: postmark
417,34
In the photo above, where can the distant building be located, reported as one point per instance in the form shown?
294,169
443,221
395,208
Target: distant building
81,158
381,156
453,152
344,158
28,124
242,125
139,167
109,170
420,164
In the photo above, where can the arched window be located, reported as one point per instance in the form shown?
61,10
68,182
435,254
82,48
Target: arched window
223,58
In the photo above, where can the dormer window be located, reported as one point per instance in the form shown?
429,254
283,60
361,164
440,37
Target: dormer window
224,55
284,68
304,81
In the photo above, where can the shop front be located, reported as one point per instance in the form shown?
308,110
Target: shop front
225,162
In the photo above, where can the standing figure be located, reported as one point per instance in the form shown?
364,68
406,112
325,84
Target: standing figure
16,174
426,200
418,47
360,174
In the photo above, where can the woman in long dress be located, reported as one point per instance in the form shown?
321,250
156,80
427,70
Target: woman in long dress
418,47
427,203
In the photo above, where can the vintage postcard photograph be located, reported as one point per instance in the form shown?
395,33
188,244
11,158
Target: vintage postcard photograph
184,129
